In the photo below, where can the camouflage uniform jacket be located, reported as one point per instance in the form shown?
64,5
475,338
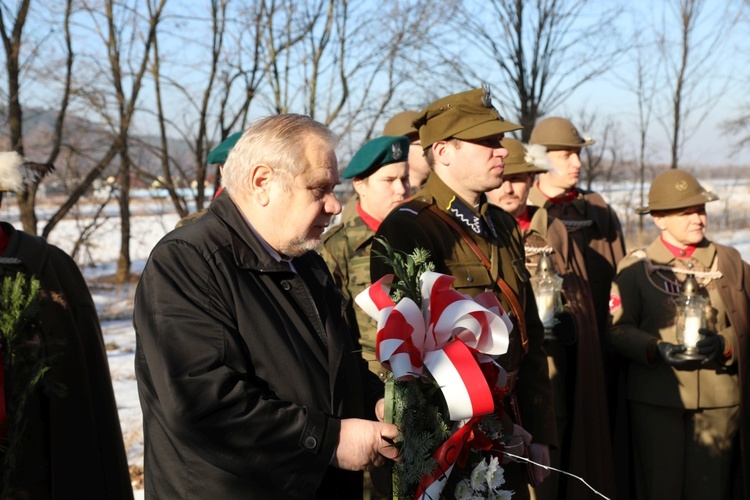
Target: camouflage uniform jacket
412,225
346,250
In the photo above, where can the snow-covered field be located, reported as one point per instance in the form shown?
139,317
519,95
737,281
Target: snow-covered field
729,223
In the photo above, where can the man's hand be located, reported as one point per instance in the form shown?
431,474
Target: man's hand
364,445
539,453
711,345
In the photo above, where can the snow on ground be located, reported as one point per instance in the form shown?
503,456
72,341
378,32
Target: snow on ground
115,303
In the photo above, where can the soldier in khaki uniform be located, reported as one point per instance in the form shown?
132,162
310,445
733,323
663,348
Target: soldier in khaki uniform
380,173
481,247
685,415
402,124
590,221
573,347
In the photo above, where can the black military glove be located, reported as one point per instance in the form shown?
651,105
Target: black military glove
711,345
667,352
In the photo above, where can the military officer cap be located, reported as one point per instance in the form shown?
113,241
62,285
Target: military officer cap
557,133
375,154
467,116
219,153
402,124
675,189
523,159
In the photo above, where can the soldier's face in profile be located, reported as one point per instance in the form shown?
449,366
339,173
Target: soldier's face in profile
683,227
384,190
481,163
512,194
566,168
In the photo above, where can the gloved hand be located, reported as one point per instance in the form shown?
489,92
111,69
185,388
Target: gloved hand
667,351
711,345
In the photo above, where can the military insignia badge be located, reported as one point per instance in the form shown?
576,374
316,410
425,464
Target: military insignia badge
396,151
614,303
681,186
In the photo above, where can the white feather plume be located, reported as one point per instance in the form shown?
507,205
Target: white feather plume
11,176
536,154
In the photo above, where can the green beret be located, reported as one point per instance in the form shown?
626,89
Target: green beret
219,153
468,116
377,153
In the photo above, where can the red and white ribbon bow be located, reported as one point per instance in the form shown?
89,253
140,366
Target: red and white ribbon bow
449,336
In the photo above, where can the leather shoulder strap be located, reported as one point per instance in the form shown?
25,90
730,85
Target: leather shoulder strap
515,305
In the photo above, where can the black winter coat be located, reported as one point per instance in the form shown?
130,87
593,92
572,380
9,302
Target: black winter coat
72,446
244,368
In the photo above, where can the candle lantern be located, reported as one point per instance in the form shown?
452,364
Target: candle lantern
547,287
690,318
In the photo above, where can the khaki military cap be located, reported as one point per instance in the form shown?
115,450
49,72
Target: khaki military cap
467,116
558,133
675,189
521,159
402,124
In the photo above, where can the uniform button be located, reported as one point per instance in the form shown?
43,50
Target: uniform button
470,279
310,442
286,285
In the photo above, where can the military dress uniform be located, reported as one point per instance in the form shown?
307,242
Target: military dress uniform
678,412
575,369
415,225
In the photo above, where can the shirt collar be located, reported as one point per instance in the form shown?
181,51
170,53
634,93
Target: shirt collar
271,251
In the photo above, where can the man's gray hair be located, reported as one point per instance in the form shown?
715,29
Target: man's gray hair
277,141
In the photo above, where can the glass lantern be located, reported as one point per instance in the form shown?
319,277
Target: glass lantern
690,317
547,287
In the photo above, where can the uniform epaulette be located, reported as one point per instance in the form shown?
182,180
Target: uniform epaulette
414,206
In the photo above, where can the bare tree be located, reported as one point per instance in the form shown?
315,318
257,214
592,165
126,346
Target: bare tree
543,51
598,161
739,124
326,58
690,97
120,29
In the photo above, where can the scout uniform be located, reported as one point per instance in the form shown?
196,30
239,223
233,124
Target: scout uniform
346,246
573,354
439,221
593,226
684,418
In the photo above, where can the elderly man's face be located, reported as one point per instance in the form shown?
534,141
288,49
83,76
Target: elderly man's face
304,210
